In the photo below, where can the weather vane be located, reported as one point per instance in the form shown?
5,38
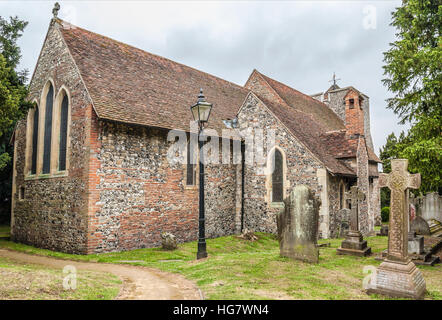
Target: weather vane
334,79
55,10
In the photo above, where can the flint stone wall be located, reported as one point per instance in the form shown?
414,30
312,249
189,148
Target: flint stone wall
138,194
260,214
53,214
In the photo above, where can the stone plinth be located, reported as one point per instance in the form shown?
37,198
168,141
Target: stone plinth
398,280
415,243
354,244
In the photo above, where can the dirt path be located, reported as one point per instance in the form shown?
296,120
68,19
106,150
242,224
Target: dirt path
139,283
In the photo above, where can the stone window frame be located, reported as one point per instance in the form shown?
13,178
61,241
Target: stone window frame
269,180
55,147
55,133
29,137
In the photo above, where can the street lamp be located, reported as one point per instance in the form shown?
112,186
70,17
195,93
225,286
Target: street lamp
201,113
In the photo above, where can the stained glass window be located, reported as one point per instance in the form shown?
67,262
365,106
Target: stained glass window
278,178
48,131
63,133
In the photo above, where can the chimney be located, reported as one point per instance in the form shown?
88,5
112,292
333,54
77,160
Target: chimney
354,115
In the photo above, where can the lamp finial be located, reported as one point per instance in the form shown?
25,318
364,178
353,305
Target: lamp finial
201,96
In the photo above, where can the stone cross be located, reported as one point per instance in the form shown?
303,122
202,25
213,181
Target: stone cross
399,181
55,10
355,195
334,79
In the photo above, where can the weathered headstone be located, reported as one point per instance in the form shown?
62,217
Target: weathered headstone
420,226
432,206
354,243
344,217
298,225
384,230
398,276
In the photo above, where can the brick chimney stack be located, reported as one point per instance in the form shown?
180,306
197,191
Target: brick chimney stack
354,114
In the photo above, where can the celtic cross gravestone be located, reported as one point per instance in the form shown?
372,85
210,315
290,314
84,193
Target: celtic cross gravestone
398,276
354,243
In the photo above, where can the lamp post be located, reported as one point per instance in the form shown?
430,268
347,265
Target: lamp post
201,113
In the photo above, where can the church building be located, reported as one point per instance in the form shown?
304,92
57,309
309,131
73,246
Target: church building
91,171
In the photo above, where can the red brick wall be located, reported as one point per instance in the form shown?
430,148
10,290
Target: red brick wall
135,193
354,115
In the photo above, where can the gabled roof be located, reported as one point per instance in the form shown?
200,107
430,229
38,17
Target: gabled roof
305,103
341,146
307,131
130,85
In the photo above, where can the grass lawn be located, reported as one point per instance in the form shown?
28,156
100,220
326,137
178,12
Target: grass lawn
240,269
33,282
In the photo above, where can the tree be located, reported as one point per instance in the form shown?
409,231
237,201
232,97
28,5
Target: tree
414,62
13,104
422,146
423,149
414,75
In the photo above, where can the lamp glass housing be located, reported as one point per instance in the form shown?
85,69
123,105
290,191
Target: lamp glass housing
201,111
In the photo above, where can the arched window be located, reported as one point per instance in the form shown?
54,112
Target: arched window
48,131
341,196
278,178
64,112
34,139
191,165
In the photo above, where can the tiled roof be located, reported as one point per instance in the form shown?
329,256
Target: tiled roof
308,132
305,103
329,129
130,85
342,146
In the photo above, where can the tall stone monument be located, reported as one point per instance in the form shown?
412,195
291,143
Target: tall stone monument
298,225
354,244
398,276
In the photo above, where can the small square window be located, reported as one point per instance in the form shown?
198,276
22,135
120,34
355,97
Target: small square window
352,103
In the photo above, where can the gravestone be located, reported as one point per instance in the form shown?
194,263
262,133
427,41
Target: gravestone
344,217
432,206
297,225
354,244
384,230
420,226
398,276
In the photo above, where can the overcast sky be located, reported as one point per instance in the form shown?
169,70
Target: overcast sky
300,43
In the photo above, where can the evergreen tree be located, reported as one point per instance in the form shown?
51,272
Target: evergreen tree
414,75
13,104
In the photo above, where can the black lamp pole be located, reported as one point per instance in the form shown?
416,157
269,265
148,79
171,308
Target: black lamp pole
201,113
202,253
